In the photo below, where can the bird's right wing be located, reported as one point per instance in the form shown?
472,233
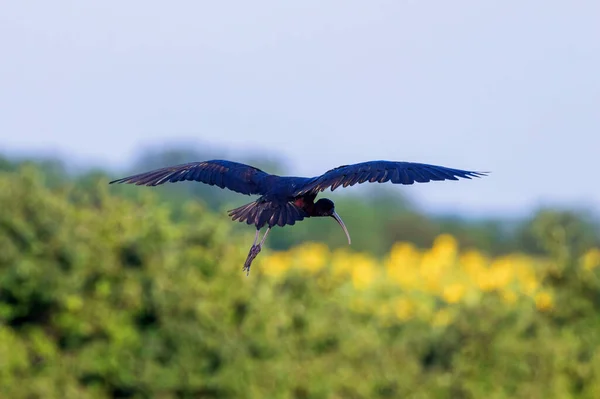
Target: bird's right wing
234,176
381,172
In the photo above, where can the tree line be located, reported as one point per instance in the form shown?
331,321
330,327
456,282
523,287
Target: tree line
378,219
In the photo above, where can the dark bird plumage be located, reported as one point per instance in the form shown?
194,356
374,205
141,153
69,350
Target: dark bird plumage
284,200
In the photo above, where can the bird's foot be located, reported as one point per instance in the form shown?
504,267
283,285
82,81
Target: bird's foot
254,250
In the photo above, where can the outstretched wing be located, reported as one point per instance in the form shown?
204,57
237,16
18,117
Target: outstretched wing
234,176
381,172
271,213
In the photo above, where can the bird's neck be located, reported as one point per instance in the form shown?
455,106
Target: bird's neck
307,204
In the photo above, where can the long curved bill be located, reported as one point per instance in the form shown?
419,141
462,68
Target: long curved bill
341,222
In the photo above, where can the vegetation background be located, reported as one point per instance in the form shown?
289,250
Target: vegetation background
129,292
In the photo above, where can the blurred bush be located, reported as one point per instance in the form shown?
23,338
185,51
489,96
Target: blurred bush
106,296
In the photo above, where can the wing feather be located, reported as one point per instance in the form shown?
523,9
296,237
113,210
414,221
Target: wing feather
234,176
381,172
271,213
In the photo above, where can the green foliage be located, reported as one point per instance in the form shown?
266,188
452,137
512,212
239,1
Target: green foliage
107,296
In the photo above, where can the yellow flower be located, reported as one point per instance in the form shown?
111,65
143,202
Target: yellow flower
276,263
591,259
544,301
501,272
473,263
509,296
453,293
485,282
445,247
363,271
431,270
400,265
403,252
405,276
529,286
424,277
311,256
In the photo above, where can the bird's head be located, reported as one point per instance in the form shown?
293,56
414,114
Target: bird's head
326,207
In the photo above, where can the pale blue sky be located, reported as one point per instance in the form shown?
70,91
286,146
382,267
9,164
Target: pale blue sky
511,87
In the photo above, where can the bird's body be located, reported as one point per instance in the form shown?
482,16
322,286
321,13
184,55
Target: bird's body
285,200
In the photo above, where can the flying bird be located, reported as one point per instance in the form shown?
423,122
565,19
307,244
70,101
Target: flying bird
285,200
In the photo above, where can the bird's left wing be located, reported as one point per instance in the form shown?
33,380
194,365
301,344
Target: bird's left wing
234,176
381,172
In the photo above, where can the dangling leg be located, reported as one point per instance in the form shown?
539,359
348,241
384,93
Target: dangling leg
254,250
264,237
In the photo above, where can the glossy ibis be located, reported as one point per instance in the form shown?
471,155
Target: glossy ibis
285,199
